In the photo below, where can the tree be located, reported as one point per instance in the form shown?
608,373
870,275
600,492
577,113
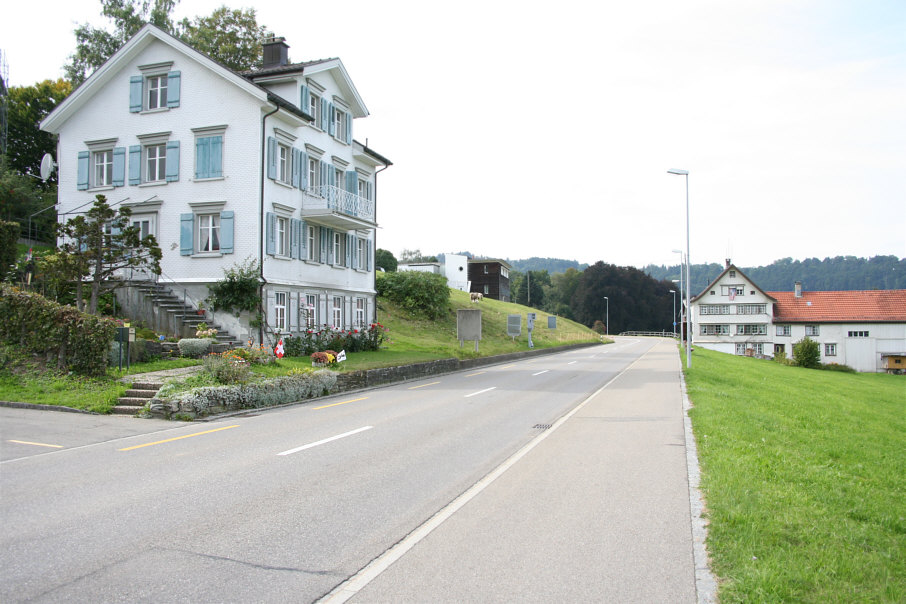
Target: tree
9,233
27,144
807,353
415,256
530,289
102,243
21,199
635,300
385,260
231,37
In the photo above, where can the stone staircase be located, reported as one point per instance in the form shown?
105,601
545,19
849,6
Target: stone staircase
182,314
136,398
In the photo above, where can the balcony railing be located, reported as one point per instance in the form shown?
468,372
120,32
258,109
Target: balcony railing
335,199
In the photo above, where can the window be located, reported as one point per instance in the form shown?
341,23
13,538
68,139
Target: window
758,329
361,253
858,334
783,330
486,290
360,312
310,311
715,309
485,269
830,350
812,330
157,92
312,240
280,311
715,330
284,164
339,251
208,156
156,163
749,348
145,225
209,232
342,125
504,272
732,274
751,309
338,312
314,173
209,229
103,168
314,109
732,291
281,236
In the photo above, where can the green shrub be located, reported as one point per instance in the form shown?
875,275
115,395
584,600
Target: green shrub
194,347
838,367
73,340
353,340
256,355
419,293
9,234
228,368
807,353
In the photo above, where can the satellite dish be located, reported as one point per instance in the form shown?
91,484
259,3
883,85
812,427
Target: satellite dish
47,166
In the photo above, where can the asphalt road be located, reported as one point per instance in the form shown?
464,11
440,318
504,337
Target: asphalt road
289,504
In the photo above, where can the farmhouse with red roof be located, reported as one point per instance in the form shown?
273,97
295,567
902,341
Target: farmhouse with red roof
863,329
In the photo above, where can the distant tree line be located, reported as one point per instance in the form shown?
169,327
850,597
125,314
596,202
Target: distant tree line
831,274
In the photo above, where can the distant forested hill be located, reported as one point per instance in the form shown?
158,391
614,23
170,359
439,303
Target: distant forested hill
551,265
831,274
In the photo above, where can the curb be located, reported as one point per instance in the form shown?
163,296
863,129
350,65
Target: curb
14,405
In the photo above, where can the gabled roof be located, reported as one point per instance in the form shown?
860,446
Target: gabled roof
739,273
334,65
490,261
874,306
147,35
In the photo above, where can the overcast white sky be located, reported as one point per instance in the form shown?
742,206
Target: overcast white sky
531,128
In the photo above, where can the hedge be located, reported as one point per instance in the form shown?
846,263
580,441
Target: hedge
76,341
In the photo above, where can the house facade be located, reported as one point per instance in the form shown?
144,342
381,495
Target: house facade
861,329
490,277
227,168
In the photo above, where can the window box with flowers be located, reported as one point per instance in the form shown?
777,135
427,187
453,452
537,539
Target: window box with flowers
323,359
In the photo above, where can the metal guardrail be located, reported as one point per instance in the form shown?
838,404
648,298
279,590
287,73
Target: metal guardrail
652,334
344,202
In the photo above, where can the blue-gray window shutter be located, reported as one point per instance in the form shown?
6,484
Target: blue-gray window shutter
216,157
348,128
226,232
272,158
271,219
322,167
295,237
331,257
305,99
186,230
119,166
202,157
323,235
350,243
303,240
368,254
352,181
135,93
297,167
325,114
303,179
331,120
173,89
82,182
135,165
172,161
368,191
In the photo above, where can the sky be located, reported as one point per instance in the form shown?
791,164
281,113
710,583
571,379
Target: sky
526,128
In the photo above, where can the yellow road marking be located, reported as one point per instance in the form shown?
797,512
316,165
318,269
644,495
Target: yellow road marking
342,403
25,442
508,366
479,373
423,385
160,442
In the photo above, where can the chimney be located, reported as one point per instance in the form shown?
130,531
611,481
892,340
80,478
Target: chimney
275,52
727,261
798,289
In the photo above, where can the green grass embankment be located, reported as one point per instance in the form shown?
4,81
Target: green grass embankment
804,475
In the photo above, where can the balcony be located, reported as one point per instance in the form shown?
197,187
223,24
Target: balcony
337,208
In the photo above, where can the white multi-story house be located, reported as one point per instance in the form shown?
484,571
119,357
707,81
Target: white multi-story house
855,328
224,168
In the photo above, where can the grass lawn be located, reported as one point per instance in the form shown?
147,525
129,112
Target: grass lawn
804,475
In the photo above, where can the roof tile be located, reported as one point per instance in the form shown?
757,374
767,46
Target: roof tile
875,306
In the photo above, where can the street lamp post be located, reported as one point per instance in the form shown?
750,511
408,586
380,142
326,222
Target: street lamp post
673,291
607,317
688,274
